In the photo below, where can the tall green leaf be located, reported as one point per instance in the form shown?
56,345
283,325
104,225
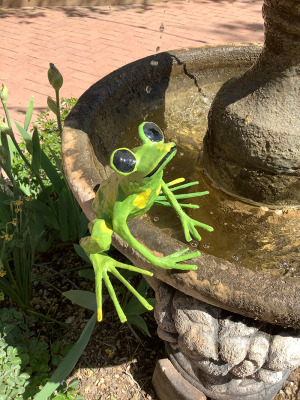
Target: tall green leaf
63,215
25,135
28,114
69,362
52,173
36,153
6,153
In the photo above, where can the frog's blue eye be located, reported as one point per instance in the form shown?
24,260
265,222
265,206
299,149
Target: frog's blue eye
124,161
151,132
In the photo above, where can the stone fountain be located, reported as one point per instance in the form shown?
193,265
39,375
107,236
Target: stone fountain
231,331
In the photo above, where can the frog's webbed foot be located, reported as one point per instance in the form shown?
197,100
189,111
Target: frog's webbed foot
172,261
161,200
103,265
189,227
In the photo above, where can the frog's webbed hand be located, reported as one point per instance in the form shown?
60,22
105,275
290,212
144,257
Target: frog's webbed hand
171,261
94,245
162,199
189,224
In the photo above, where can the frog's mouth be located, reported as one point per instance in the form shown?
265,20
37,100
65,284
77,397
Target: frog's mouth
162,161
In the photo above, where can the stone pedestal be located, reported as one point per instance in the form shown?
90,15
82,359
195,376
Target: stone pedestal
223,355
251,149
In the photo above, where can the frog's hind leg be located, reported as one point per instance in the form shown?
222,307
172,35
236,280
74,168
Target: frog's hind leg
95,246
104,264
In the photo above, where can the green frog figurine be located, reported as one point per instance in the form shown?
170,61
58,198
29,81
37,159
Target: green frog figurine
136,185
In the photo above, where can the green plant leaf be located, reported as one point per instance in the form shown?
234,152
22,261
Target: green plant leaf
55,346
52,105
87,273
6,152
25,135
52,173
28,114
36,153
79,250
83,298
69,362
63,215
73,383
139,322
134,307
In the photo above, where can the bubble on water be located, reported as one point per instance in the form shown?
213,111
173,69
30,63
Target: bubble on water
211,212
155,219
148,89
194,243
206,245
236,257
225,223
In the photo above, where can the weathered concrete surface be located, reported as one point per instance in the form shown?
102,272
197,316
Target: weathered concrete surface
225,355
251,148
169,384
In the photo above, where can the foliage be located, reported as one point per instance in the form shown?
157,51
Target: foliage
21,236
37,210
50,143
24,361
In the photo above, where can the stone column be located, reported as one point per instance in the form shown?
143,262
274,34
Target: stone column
224,355
252,146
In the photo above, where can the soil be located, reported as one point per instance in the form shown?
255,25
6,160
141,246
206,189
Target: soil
119,361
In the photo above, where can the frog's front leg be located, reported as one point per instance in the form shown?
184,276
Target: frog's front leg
168,262
94,246
189,224
161,199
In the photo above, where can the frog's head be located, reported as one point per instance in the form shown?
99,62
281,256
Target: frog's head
146,161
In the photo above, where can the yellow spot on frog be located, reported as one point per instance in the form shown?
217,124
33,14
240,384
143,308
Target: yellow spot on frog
105,227
179,180
158,190
164,146
141,199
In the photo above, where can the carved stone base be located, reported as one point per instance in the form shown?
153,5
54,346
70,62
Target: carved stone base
224,355
231,389
170,384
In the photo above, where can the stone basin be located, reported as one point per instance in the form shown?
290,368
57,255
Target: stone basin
231,332
94,128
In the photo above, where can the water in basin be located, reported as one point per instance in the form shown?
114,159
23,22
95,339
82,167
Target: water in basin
253,236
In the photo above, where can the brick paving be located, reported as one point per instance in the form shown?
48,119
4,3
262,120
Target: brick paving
86,43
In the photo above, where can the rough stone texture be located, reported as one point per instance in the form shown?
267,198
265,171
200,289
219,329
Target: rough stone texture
251,148
224,354
169,384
